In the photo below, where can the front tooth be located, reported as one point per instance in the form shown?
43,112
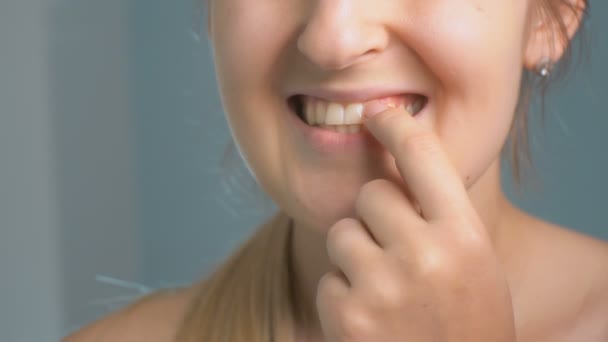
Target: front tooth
310,112
414,107
353,113
335,114
320,111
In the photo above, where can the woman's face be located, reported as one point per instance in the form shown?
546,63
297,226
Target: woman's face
463,57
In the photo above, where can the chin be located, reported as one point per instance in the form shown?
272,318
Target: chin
319,211
330,195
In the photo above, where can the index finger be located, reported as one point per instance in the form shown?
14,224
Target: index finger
421,161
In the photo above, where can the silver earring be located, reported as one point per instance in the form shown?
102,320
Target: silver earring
544,67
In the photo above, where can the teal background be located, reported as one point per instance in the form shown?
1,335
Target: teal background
112,176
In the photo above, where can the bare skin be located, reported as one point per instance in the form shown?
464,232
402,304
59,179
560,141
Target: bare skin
557,277
551,301
563,262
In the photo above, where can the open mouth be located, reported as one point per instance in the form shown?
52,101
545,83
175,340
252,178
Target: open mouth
347,117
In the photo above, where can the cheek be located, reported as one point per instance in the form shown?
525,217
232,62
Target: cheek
246,39
475,52
236,68
473,46
243,57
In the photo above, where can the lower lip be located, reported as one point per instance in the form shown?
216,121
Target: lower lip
330,142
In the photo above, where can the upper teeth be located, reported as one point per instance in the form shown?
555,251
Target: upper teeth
321,112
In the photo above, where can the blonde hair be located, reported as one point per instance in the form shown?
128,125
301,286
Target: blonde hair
249,298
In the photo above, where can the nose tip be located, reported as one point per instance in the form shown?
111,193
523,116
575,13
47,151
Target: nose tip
333,52
337,35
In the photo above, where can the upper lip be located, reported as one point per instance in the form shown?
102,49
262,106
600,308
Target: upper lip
353,95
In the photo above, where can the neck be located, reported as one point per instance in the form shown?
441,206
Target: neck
310,260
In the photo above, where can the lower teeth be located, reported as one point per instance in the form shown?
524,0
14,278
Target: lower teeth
345,129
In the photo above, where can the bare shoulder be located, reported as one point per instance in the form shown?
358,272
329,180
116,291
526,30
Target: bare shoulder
592,321
588,255
575,282
152,318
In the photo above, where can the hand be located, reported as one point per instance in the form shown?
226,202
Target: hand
413,270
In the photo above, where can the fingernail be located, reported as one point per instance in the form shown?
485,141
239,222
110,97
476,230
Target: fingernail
373,108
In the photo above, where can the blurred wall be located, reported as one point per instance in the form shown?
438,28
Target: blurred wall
67,201
30,244
89,60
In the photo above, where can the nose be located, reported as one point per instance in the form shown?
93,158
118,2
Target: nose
341,33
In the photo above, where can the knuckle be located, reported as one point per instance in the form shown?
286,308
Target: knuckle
325,284
370,188
469,237
337,230
420,140
327,287
353,322
387,292
471,241
369,192
434,265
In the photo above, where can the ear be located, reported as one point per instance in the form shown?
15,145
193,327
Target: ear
547,37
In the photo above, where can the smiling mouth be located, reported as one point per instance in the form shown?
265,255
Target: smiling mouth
347,117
